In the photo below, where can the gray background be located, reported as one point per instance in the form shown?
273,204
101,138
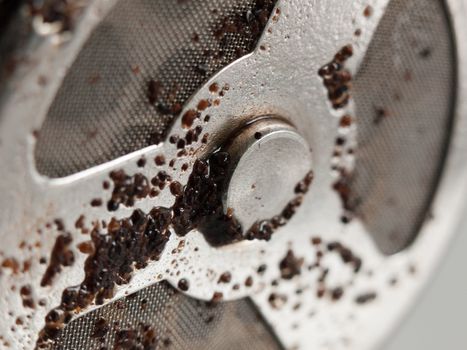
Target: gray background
439,319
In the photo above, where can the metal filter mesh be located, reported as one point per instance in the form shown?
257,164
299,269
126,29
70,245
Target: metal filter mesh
404,93
102,110
159,317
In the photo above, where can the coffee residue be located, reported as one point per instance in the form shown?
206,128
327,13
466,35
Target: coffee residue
336,78
61,256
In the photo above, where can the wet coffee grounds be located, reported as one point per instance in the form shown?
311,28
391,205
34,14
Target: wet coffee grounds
336,78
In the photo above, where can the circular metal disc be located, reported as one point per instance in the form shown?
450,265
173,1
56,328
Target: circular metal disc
320,281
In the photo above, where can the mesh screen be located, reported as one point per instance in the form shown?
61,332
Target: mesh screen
102,111
404,93
159,317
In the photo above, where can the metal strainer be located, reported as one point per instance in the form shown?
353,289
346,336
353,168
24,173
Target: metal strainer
235,174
